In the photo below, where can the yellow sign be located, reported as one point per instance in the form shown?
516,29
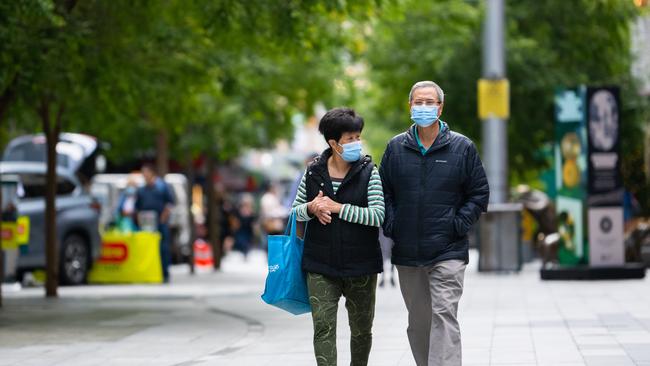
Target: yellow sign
22,230
8,229
15,233
128,258
493,98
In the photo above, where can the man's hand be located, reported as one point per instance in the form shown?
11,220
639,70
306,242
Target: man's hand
318,208
164,216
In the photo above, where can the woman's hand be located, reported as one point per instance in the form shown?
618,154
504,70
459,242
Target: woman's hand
319,208
331,205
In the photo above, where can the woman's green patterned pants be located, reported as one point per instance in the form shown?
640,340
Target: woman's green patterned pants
324,295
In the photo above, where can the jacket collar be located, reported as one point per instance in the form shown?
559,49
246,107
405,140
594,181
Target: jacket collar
441,141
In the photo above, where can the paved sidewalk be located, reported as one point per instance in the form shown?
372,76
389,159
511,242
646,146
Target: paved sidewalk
218,319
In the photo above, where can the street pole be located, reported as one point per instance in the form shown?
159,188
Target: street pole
495,132
499,229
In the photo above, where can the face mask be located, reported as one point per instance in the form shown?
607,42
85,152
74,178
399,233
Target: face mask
351,151
130,190
424,116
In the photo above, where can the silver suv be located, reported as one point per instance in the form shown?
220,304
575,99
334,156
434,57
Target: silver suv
77,220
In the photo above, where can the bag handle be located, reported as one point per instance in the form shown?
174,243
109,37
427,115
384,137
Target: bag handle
292,224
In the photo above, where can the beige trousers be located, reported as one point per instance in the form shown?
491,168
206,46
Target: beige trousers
431,295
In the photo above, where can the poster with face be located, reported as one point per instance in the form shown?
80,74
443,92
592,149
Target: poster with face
603,120
603,127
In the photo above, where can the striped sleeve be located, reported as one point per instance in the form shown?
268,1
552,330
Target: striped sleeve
373,215
300,202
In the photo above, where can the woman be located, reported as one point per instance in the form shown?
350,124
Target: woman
341,196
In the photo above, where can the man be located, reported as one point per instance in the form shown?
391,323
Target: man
435,189
156,196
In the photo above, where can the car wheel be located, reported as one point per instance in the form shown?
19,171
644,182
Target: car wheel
74,260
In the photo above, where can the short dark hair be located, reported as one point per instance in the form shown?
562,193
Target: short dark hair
150,167
338,121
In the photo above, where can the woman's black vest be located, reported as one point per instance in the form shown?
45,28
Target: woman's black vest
340,248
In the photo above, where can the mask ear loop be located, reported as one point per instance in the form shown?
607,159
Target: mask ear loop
340,154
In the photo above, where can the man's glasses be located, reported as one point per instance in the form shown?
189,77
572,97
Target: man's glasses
428,103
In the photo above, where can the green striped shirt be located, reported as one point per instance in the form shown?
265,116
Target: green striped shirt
373,215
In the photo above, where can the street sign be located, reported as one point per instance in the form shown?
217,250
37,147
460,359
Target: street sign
15,233
493,98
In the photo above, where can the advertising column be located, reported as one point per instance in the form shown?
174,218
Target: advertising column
605,187
571,174
589,187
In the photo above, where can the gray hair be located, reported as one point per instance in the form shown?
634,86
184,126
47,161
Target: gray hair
427,84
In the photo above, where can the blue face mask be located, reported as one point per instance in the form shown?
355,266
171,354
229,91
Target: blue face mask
351,151
424,116
130,191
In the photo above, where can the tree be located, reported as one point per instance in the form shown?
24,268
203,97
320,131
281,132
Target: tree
39,36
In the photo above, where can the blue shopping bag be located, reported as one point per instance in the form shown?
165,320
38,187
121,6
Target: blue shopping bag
286,287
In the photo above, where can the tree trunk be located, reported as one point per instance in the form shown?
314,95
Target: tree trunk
7,97
51,131
214,214
2,257
162,153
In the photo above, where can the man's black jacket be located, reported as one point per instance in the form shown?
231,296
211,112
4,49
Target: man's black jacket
432,200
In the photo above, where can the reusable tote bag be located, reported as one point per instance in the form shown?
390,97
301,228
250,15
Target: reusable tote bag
286,287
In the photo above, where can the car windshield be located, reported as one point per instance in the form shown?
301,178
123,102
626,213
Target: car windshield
33,151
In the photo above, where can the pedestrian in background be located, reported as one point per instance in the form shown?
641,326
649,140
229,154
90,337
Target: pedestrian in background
341,196
125,213
244,221
291,194
272,213
156,196
435,189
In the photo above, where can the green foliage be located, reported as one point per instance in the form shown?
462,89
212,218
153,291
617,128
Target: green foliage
40,55
215,76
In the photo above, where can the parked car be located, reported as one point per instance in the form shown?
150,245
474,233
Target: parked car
77,220
107,189
77,153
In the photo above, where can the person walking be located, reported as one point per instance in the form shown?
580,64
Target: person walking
435,189
245,219
125,212
272,213
155,196
341,197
